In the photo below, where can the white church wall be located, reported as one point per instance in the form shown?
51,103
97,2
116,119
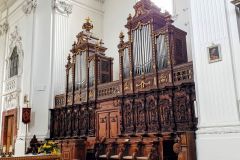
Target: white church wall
218,125
115,17
182,20
19,34
41,69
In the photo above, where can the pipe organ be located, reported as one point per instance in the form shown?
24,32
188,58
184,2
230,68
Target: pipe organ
148,112
142,49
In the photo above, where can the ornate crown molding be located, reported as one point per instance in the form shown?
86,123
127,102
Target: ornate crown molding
4,28
29,6
62,7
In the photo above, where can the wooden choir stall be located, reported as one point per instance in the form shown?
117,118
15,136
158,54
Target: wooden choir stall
148,113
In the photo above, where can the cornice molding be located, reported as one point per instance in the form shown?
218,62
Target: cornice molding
219,130
29,6
62,7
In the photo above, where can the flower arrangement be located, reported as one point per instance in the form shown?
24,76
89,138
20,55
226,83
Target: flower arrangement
49,147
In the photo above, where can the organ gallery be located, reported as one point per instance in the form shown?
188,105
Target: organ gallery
148,113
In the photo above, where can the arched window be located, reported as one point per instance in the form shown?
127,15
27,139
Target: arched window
14,63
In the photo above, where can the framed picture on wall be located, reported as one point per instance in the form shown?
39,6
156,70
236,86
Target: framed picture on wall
214,53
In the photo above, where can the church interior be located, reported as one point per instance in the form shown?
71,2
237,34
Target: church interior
110,79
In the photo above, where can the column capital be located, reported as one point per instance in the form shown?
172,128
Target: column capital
62,7
29,6
4,28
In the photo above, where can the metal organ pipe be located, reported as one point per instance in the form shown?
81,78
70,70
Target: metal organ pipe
126,64
142,50
161,52
138,52
83,68
78,71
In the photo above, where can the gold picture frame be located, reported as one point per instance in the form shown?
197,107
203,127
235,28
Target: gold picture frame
214,53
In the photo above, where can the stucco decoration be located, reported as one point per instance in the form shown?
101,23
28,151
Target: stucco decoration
29,6
4,28
62,7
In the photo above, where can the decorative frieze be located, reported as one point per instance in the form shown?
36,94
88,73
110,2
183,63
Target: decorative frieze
63,7
4,28
12,85
29,6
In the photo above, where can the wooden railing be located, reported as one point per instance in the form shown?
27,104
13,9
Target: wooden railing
60,100
108,90
181,74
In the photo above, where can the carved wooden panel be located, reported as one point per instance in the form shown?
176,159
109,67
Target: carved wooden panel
166,113
128,116
75,121
73,149
153,116
91,127
114,121
102,125
68,122
84,121
140,118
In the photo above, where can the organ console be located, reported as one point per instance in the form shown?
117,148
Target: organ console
148,113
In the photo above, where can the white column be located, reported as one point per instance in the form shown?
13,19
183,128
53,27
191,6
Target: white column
218,132
61,46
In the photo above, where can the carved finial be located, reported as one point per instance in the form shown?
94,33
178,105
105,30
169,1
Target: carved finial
121,36
74,46
101,42
69,58
97,46
129,17
169,19
88,26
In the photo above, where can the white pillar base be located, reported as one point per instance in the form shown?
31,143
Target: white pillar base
220,143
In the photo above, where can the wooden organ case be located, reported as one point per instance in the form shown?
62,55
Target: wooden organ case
148,113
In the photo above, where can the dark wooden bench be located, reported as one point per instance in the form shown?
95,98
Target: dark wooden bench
105,149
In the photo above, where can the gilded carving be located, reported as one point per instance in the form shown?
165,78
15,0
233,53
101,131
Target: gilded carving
163,78
143,84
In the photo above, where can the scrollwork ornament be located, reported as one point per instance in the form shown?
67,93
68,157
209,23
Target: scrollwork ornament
4,28
29,6
62,7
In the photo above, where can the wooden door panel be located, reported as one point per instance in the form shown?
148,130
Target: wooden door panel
113,124
103,125
10,123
